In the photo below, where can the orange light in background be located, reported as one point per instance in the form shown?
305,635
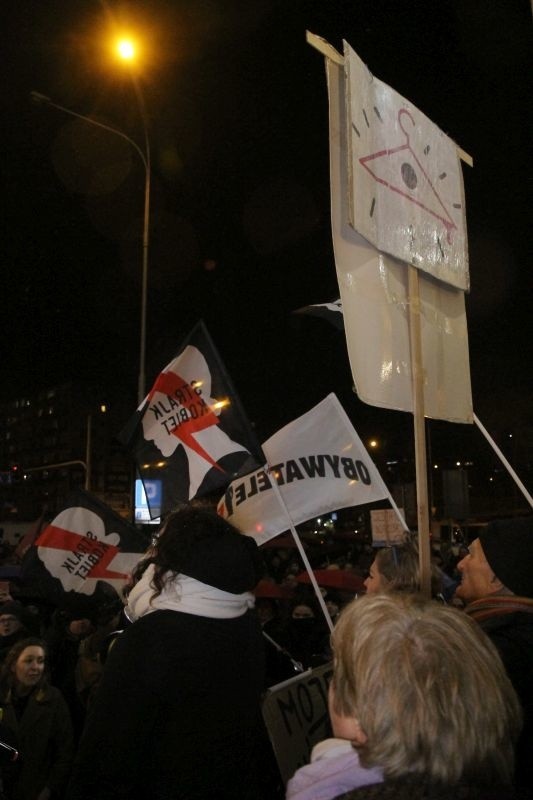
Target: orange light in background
373,443
128,50
220,404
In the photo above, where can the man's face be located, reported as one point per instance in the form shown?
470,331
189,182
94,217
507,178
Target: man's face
9,624
477,578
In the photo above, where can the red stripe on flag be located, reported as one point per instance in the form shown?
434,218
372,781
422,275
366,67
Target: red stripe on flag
62,539
168,383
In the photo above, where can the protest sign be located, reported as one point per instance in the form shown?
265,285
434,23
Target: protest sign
296,716
386,527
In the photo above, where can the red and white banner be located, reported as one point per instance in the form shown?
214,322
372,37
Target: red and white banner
319,464
84,544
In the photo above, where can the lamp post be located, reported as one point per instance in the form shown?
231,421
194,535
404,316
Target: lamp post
41,99
89,447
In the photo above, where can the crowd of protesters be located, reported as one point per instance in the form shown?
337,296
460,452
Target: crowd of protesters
429,698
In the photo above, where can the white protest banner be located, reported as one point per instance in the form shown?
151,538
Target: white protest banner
320,464
406,186
375,303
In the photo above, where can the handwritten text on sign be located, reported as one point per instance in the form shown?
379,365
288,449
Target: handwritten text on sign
296,716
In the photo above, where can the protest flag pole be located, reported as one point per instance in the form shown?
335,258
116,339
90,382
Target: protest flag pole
298,666
417,376
299,545
504,461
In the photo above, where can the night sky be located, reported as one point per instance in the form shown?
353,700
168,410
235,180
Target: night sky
237,107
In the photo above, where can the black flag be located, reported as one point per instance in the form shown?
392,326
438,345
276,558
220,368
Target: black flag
85,544
190,436
331,312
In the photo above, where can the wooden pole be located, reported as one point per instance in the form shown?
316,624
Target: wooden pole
417,373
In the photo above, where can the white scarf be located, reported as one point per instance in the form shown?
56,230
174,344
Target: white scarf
187,595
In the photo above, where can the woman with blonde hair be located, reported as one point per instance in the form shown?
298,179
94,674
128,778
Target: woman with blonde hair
397,568
423,703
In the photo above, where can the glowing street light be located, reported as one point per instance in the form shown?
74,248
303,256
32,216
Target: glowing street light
126,49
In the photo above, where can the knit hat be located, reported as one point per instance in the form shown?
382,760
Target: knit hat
508,547
231,562
14,609
20,612
206,547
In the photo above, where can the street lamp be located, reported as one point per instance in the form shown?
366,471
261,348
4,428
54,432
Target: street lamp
41,99
126,49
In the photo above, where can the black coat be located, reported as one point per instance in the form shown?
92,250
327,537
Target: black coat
43,736
512,634
177,715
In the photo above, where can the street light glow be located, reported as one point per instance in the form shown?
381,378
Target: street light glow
126,49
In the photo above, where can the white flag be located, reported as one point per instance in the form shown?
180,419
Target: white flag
320,464
374,294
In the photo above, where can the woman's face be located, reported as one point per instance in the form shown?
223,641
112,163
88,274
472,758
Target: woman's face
29,667
374,582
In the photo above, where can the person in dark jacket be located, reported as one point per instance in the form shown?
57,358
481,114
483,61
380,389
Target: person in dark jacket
497,585
177,713
14,626
36,717
64,638
420,693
